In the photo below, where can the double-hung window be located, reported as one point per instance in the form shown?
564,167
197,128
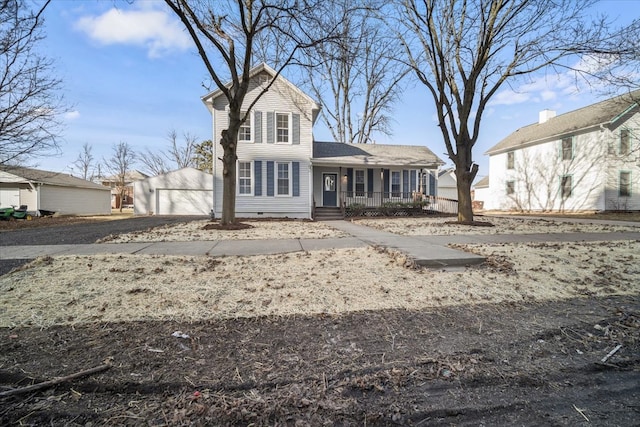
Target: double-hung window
244,134
567,148
283,128
244,179
566,186
511,188
283,182
625,146
511,160
359,184
395,183
625,184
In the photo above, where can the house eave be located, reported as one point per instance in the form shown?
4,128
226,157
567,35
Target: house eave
538,141
372,162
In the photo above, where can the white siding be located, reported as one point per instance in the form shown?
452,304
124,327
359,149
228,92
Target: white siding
284,99
9,196
162,194
594,170
74,200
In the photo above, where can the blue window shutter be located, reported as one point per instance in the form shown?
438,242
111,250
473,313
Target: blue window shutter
271,137
349,181
296,178
414,180
257,172
370,182
432,184
270,179
385,175
257,124
295,128
405,183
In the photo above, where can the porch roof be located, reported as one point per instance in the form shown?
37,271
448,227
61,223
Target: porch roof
412,156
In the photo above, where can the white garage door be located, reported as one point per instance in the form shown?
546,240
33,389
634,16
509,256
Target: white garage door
184,202
9,197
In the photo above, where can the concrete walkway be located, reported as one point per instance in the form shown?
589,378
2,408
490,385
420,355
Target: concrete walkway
431,251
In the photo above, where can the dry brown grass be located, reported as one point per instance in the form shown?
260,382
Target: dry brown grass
78,289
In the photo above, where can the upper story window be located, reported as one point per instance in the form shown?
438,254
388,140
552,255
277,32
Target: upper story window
567,148
283,130
244,134
511,160
625,142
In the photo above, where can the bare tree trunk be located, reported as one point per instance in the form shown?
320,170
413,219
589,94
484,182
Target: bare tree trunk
229,144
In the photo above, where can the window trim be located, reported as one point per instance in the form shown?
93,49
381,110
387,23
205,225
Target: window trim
251,179
249,120
629,184
277,179
289,127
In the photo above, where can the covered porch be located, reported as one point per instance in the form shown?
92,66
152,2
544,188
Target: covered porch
368,176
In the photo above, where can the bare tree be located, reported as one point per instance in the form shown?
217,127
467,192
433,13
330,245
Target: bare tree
356,78
119,165
182,154
464,51
84,163
225,34
30,105
177,155
203,156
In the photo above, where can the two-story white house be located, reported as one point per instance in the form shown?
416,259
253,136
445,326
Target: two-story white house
282,172
583,160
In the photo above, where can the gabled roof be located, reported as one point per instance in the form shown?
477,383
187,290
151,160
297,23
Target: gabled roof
374,155
129,176
253,73
605,113
483,183
20,175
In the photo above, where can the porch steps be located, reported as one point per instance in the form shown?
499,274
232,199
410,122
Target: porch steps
328,214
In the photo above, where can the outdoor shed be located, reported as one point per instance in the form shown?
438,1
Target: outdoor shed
186,191
52,191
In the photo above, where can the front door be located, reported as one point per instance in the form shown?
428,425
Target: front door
329,189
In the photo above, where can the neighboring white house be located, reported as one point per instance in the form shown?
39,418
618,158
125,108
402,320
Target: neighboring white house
52,191
481,193
282,172
185,191
448,184
585,159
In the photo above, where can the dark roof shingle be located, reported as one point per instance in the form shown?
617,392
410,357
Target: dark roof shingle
374,154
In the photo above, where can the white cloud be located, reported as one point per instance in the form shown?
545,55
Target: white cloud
72,115
510,97
150,28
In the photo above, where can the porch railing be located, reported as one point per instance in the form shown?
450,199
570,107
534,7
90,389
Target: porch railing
369,200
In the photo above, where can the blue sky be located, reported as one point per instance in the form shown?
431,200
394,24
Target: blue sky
130,74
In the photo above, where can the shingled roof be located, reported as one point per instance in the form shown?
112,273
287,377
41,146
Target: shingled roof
20,175
604,113
374,155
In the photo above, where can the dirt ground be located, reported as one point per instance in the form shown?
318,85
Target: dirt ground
513,363
524,364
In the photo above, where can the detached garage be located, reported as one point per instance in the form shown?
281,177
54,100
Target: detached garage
185,191
52,191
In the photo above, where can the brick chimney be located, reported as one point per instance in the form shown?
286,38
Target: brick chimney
545,115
